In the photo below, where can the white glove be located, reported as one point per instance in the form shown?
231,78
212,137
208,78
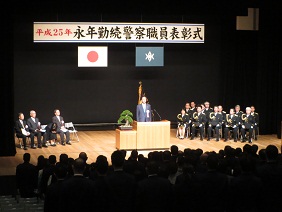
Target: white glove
189,121
217,125
234,126
209,125
252,127
200,125
243,126
255,123
185,125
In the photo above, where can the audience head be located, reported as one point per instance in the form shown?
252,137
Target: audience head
212,161
26,157
246,163
78,166
83,156
52,159
174,150
262,154
61,171
102,165
64,158
271,152
117,158
134,155
152,167
166,155
254,149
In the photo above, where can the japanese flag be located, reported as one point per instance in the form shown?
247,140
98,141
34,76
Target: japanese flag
92,56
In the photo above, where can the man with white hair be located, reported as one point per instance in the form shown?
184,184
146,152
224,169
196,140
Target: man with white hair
248,122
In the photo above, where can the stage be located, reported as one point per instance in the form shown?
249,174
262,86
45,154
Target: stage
96,143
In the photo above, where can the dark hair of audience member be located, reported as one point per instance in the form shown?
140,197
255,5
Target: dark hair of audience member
212,161
152,168
61,171
238,152
117,158
102,167
174,150
247,148
64,158
166,155
26,157
41,162
246,163
262,155
133,155
83,156
254,149
78,166
271,152
52,159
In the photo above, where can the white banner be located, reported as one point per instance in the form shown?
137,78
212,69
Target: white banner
105,32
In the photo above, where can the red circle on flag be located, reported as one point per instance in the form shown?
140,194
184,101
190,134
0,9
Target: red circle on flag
92,56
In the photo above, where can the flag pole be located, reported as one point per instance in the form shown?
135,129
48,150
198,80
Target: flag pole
139,92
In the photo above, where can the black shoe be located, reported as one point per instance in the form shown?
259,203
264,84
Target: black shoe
256,138
244,140
225,140
201,139
208,139
53,144
39,146
33,147
235,140
25,148
69,143
250,141
217,139
63,144
192,138
44,145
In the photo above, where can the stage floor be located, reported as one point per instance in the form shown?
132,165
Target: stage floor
96,143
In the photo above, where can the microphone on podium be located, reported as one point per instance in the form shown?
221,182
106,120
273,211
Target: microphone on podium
158,114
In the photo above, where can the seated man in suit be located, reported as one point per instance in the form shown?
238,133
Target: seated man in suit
22,130
35,130
143,111
59,120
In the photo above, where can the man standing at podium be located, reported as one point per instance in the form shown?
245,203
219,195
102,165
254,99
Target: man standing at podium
143,111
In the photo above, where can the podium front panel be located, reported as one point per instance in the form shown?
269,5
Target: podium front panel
152,135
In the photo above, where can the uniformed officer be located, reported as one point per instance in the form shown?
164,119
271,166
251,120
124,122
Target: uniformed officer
198,122
231,124
248,122
256,126
215,122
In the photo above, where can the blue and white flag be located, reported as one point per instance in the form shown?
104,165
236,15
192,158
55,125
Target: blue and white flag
149,56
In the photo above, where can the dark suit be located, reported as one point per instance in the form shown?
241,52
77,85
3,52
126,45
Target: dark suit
78,194
215,123
256,115
154,194
53,196
248,124
231,123
26,178
18,129
34,129
142,115
198,122
122,188
61,123
207,112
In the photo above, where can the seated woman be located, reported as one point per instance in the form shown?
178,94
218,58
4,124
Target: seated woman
182,121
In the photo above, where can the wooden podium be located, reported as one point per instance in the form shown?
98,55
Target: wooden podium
152,135
125,139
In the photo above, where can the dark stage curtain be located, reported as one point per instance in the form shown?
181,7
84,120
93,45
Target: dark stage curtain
251,67
7,144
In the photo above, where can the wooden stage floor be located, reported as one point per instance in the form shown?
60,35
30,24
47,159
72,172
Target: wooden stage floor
96,143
